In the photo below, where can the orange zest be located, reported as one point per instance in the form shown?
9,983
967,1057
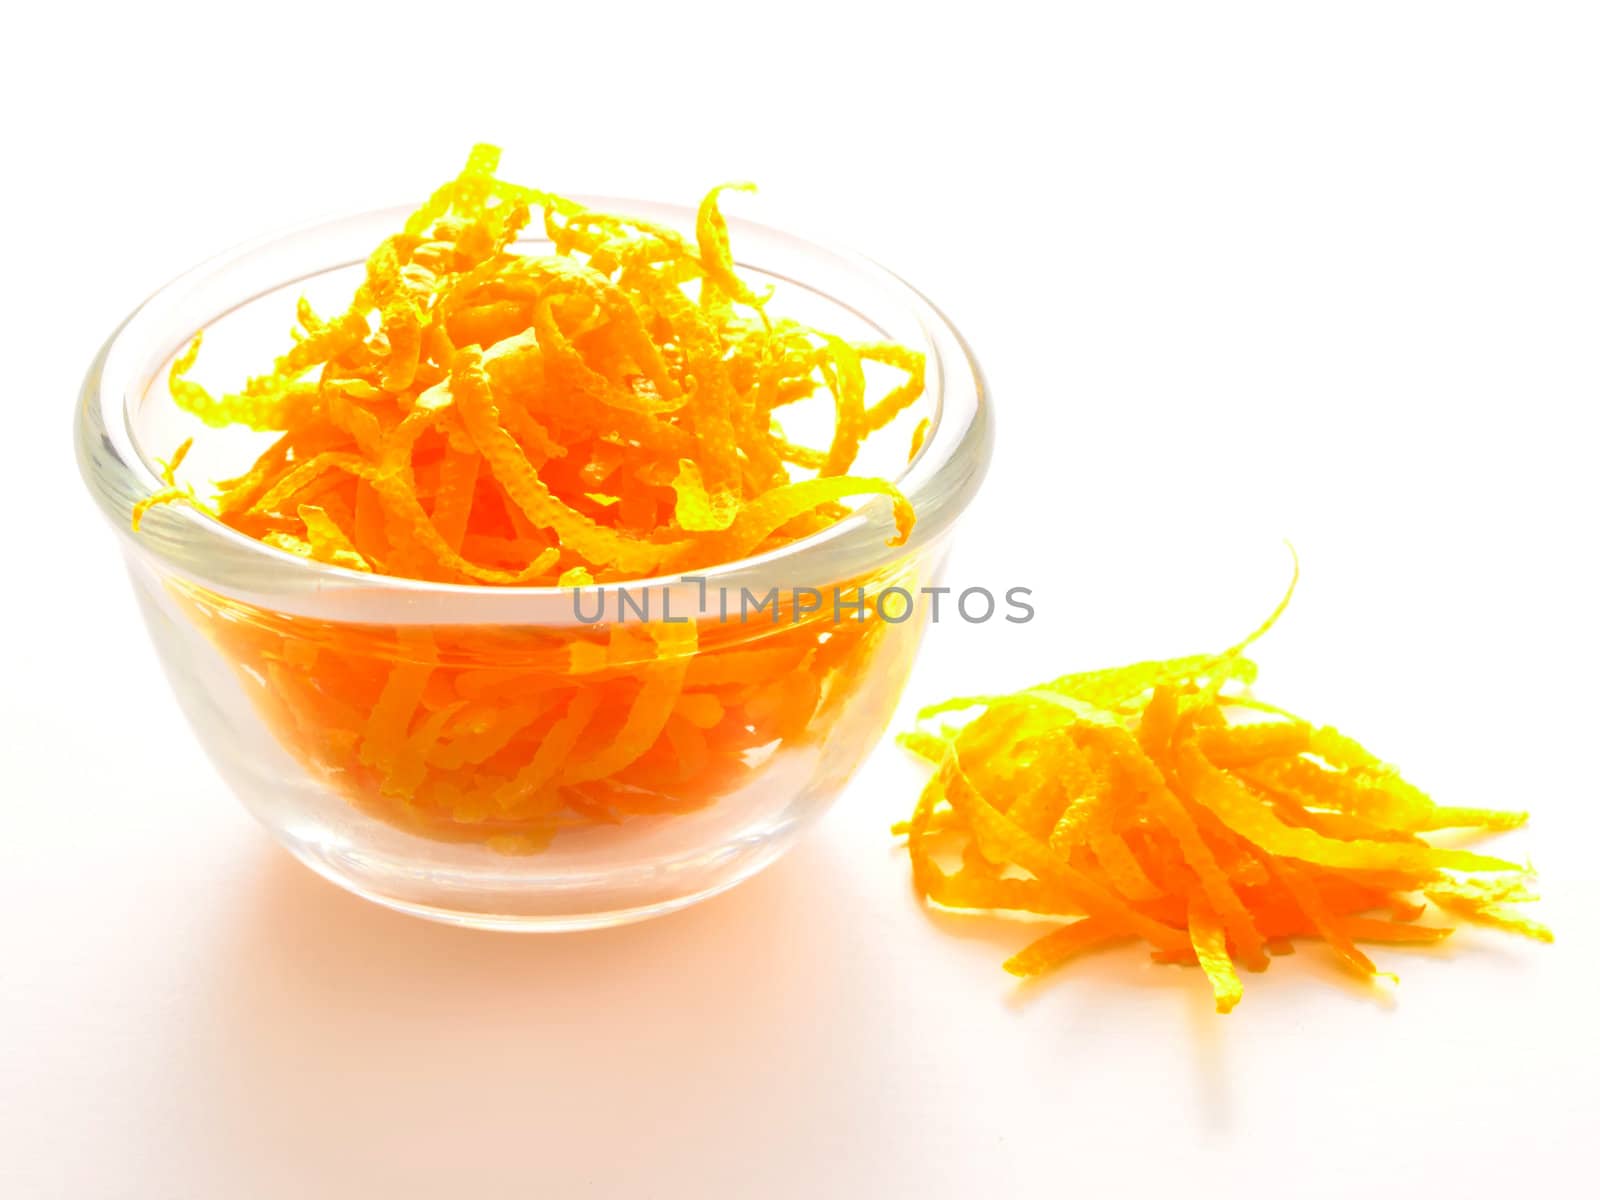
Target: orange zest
600,413
1160,802
626,421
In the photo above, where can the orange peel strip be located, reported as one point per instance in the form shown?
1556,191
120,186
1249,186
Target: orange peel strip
1231,801
1053,949
329,543
650,710
765,515
711,231
1211,948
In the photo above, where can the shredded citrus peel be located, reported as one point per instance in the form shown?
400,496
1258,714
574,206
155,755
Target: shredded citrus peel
1160,802
631,345
508,736
600,414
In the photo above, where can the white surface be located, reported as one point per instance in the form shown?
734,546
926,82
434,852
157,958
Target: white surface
1235,272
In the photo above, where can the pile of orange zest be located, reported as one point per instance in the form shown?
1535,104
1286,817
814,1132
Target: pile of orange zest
602,413
480,415
1160,802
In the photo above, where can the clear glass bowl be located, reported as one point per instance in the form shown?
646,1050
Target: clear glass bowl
285,668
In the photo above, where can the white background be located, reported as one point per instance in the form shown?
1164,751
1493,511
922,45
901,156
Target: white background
1236,272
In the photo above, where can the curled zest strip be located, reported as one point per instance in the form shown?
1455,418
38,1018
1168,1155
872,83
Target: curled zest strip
171,491
763,516
711,231
849,388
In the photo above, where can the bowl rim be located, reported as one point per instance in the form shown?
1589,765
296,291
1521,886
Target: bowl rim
939,481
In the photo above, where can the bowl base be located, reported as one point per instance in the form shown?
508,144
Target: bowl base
565,922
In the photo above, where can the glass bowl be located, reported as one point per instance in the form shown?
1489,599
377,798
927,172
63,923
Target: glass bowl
353,714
